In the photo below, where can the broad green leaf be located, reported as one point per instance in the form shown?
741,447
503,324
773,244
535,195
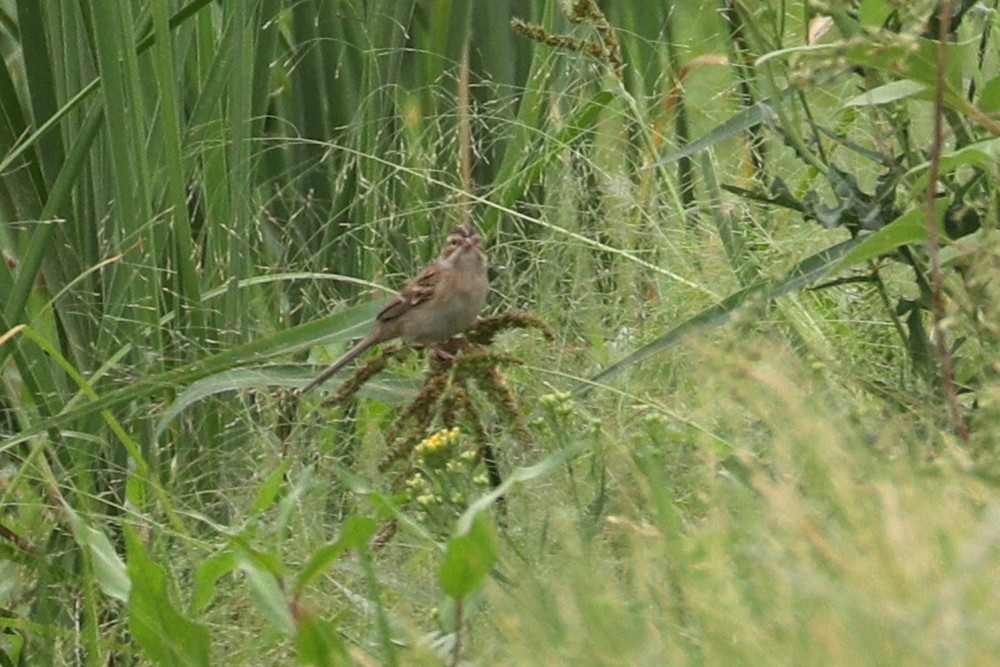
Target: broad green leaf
469,557
109,569
989,96
964,252
388,389
207,575
873,13
908,228
164,633
901,58
982,154
318,643
889,92
916,60
271,487
356,533
266,590
296,494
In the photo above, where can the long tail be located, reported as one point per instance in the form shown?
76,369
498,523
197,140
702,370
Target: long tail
350,356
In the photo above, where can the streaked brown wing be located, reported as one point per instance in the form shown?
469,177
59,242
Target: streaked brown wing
416,291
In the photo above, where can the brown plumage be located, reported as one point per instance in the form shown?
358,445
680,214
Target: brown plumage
439,302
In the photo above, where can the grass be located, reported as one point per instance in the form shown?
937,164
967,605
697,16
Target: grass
771,475
814,542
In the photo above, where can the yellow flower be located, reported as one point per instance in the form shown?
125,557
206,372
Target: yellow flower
437,448
560,402
427,499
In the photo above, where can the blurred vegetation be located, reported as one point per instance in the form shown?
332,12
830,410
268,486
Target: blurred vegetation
767,430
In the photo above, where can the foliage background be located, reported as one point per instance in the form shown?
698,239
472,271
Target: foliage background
766,431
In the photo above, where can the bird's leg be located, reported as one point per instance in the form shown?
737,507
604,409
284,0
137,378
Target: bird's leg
441,356
444,353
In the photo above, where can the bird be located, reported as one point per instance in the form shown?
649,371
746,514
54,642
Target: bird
441,301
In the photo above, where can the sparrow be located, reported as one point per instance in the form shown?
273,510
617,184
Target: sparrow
441,301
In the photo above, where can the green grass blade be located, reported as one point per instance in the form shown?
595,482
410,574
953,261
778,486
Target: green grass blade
809,270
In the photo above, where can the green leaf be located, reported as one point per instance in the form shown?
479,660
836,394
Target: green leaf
982,154
208,573
109,569
391,390
889,92
916,60
269,598
989,96
468,559
517,477
340,325
805,272
873,13
262,572
318,643
736,124
271,487
907,228
356,533
388,506
167,636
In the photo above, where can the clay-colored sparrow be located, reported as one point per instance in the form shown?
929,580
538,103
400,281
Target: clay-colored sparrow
441,301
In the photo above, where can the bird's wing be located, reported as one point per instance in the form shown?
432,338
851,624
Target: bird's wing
418,290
